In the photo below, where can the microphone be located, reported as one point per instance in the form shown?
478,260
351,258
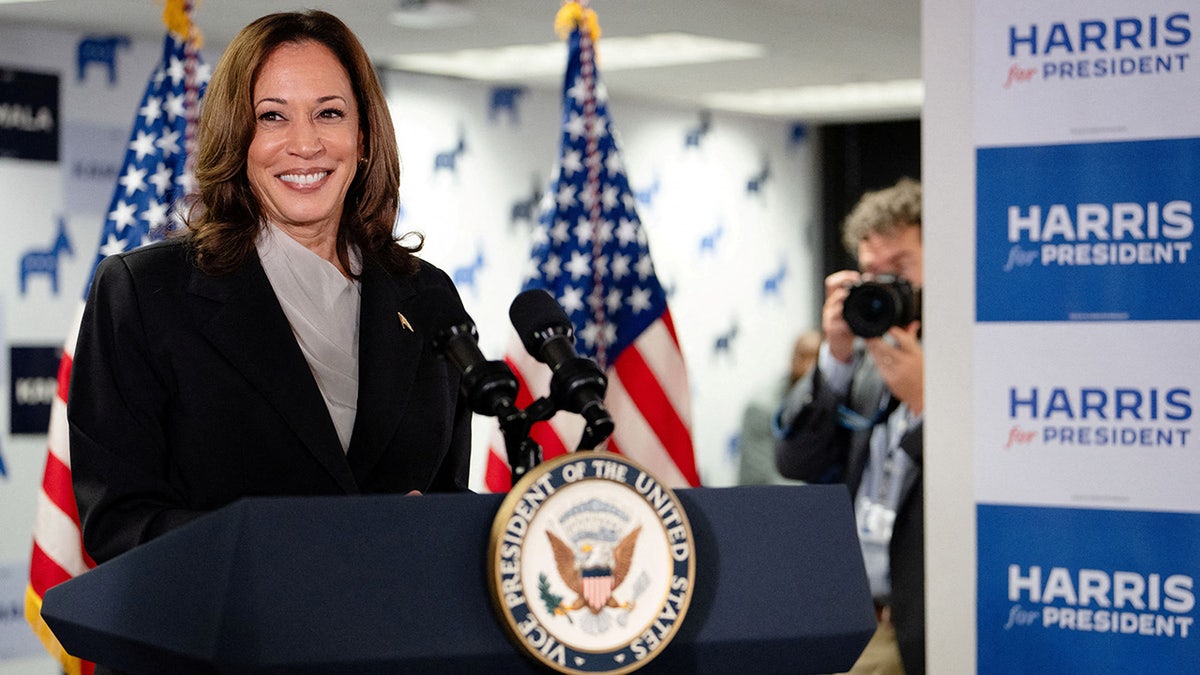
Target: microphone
577,384
490,386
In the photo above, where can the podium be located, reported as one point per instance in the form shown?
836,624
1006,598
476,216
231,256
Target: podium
397,584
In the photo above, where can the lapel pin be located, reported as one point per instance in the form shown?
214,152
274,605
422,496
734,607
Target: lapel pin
404,322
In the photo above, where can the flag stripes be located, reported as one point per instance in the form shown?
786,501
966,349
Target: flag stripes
154,174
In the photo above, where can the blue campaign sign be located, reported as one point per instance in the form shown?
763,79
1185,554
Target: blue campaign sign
1087,232
1086,591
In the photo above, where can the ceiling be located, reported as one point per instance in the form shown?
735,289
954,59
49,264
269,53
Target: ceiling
806,42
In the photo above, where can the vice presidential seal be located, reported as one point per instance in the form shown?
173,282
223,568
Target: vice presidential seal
591,564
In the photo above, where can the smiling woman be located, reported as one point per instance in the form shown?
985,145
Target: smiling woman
283,346
306,145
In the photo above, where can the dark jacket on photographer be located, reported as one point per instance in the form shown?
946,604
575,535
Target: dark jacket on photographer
819,442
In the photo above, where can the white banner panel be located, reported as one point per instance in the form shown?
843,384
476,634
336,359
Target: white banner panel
1087,415
1065,72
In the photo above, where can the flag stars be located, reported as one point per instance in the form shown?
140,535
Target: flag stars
579,265
161,180
593,162
187,183
123,215
112,245
572,299
583,230
576,126
572,162
620,266
566,196
133,180
593,332
168,143
552,268
627,232
644,267
589,196
589,334
532,269
639,299
155,214
611,197
176,71
203,73
613,164
605,231
175,106
561,232
142,145
152,110
614,301
578,91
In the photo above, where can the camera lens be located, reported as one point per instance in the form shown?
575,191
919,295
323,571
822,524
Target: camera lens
875,305
871,309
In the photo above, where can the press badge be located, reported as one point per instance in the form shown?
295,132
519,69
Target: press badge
875,521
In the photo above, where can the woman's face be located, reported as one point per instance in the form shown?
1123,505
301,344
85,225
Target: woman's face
307,140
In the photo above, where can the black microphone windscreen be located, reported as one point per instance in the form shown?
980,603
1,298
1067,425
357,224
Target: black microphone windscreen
533,312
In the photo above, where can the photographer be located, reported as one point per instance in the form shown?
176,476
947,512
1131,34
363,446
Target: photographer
857,417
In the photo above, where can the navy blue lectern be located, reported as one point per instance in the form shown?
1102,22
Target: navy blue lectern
393,584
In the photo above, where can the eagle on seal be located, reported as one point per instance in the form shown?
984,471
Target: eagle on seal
595,573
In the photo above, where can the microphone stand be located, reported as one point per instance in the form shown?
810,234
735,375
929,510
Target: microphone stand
524,453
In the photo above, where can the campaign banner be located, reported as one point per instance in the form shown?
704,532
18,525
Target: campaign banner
34,382
29,115
1087,176
1087,591
1095,231
1101,415
1054,71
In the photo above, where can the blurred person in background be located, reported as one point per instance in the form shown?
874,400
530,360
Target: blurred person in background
857,419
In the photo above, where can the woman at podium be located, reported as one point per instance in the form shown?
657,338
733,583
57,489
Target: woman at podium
283,344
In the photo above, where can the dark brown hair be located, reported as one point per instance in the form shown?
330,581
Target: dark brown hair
226,220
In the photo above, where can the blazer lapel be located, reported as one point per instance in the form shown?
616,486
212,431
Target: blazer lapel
249,328
389,348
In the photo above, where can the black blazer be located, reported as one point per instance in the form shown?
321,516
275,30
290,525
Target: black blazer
189,392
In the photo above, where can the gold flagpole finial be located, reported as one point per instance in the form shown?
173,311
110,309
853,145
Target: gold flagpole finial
574,14
177,15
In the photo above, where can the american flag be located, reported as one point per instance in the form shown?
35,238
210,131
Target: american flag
155,172
590,252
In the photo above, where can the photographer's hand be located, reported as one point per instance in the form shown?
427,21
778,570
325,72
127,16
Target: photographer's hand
837,331
901,362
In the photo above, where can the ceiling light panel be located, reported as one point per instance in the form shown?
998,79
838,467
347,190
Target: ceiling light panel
519,62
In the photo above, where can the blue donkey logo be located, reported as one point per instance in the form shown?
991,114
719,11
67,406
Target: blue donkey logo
46,262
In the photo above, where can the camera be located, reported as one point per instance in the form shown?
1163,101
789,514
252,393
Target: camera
875,305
